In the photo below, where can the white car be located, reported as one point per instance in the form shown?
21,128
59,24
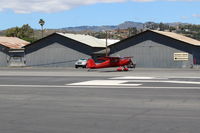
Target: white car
81,63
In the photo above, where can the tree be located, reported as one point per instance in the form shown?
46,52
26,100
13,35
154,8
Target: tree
161,27
132,31
151,25
42,22
25,32
13,32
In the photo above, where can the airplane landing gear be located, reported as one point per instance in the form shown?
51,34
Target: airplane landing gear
119,69
122,69
125,69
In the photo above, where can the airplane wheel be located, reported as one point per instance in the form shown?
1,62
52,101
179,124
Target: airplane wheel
125,69
119,69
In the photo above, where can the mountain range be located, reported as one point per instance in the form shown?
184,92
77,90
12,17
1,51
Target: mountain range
124,25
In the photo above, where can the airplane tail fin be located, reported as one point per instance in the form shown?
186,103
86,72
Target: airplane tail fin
90,63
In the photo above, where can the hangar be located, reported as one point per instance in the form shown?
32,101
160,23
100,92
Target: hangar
62,50
159,49
3,55
11,51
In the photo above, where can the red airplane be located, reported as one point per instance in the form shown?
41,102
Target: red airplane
122,63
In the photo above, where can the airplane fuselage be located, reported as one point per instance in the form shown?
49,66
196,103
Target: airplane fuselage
110,63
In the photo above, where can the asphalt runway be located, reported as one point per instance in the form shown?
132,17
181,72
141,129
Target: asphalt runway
77,101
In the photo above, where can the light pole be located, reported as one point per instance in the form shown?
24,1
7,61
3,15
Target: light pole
106,43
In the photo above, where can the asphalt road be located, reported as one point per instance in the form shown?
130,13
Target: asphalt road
67,101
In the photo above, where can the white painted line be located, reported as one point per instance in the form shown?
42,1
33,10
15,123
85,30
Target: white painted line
122,82
105,82
75,86
163,81
184,77
130,77
137,87
33,86
183,82
134,77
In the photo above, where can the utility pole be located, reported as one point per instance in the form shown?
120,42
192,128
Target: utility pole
106,43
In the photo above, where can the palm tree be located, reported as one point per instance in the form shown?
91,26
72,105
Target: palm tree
42,22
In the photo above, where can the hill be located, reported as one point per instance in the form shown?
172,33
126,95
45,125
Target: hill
123,30
124,25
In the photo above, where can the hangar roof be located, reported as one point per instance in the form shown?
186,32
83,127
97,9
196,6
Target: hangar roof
179,37
110,41
88,40
13,42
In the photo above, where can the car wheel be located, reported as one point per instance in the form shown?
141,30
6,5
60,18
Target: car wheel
76,66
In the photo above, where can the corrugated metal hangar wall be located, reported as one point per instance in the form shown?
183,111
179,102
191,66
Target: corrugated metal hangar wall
3,56
11,51
152,50
55,51
149,49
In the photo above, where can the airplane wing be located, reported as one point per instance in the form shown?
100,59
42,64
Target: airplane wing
128,57
109,58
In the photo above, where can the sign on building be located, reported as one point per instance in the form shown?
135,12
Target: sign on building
181,56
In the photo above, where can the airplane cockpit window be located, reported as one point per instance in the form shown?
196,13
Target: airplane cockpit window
114,60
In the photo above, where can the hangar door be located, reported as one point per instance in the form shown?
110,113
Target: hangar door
151,56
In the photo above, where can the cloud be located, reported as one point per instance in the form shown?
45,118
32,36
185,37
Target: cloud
196,15
143,0
48,6
184,17
164,0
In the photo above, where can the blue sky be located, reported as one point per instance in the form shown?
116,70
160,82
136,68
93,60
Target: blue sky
66,13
